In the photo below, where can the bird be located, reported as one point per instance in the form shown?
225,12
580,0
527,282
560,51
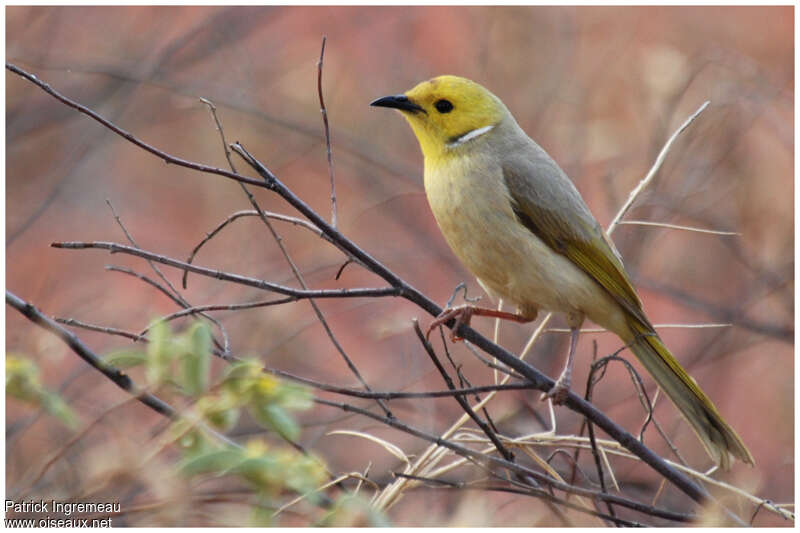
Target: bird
520,226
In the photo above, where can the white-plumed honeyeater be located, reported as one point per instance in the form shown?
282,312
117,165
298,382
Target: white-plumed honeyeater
520,226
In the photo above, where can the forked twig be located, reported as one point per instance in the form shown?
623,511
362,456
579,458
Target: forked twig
460,399
225,345
654,169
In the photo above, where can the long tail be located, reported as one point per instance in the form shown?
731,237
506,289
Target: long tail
718,438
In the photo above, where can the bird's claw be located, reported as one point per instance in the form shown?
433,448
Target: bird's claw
558,393
462,314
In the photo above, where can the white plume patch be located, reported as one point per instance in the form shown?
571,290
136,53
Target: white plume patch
470,135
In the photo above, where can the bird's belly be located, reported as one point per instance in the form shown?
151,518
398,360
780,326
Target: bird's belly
509,260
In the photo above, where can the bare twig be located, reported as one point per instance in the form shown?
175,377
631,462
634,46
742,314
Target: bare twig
324,111
341,269
653,170
93,327
459,398
529,491
395,395
234,278
734,316
675,226
655,326
213,109
155,268
225,345
148,280
198,309
589,389
250,213
127,135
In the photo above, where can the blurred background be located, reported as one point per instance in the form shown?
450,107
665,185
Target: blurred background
601,89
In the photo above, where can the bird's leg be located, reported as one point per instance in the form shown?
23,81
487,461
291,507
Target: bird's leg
558,392
464,313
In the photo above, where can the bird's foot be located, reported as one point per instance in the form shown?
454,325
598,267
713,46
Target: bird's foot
558,392
464,313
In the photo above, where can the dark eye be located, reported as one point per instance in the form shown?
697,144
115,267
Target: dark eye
443,106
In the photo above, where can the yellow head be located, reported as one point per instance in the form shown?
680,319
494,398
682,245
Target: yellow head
447,111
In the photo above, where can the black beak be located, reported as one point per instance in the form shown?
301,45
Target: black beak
398,101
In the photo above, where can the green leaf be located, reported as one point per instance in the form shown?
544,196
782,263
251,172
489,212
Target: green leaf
126,358
160,353
224,419
303,473
220,410
219,462
199,336
56,406
241,378
277,418
264,471
196,360
294,397
22,379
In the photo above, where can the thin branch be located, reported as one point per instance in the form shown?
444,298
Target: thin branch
529,491
155,268
736,316
148,280
199,309
662,432
341,269
491,364
653,170
676,226
324,111
234,278
395,395
213,109
250,213
225,345
591,381
459,398
170,159
93,327
656,326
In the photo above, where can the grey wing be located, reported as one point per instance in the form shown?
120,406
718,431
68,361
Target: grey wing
545,200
